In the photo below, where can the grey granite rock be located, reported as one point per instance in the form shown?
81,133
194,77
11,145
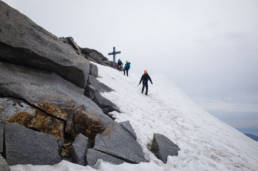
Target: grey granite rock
118,142
23,42
26,146
128,127
3,164
79,149
94,56
11,106
39,88
94,155
1,137
162,147
70,41
93,70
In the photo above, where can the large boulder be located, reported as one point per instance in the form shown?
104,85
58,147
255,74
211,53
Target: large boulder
46,91
26,146
25,43
3,164
79,149
94,155
118,142
162,147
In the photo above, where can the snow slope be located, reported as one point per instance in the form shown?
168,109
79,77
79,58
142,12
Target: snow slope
206,143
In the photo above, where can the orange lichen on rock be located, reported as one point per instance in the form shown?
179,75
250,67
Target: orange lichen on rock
21,118
87,124
53,110
108,130
65,152
47,124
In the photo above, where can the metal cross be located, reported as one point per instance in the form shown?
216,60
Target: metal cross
114,53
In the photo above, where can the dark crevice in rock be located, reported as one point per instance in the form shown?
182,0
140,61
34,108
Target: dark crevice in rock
28,103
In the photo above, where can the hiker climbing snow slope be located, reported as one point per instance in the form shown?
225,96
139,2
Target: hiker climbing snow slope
144,79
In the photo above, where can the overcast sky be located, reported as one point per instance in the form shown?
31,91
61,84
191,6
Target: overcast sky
209,48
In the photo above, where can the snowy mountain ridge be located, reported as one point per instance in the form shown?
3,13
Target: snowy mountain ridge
205,142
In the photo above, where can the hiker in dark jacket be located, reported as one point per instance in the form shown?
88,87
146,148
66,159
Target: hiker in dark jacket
145,78
127,67
119,64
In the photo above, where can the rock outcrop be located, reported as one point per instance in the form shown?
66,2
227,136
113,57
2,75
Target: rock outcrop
25,146
162,147
25,43
51,107
118,142
46,91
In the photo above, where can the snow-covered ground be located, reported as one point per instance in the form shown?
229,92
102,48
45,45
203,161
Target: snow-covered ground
206,143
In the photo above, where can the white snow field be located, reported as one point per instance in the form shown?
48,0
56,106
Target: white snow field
206,143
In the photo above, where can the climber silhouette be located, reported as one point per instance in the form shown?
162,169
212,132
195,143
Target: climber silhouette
126,68
144,79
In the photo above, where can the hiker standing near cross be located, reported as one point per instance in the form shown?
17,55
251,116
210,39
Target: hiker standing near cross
114,53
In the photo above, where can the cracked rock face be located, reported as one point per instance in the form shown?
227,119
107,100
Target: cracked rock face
46,91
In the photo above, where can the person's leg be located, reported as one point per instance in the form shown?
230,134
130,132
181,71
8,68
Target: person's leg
143,88
127,72
124,71
146,93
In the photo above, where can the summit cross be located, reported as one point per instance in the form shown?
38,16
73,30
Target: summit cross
114,53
